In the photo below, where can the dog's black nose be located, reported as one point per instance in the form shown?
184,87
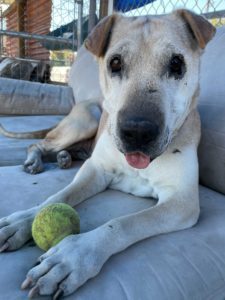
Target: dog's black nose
138,131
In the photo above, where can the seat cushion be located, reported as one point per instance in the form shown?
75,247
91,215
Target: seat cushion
20,97
13,151
188,264
212,111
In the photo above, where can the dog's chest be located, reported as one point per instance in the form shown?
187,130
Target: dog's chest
132,182
122,176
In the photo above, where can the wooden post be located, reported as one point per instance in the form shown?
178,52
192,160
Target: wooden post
103,9
20,25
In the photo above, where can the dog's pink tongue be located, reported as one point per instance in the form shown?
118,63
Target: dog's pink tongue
138,160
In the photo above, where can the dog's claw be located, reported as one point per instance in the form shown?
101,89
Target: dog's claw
58,294
4,247
34,292
26,284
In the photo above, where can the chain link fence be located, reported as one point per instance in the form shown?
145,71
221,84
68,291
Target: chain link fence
39,39
214,10
71,20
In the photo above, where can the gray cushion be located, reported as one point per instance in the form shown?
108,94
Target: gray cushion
84,77
188,264
212,111
21,97
13,151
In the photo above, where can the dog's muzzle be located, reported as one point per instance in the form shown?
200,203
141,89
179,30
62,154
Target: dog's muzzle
140,127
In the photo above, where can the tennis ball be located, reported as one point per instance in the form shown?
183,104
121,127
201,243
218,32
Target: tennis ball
53,223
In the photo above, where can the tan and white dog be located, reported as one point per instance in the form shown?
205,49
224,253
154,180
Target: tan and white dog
146,145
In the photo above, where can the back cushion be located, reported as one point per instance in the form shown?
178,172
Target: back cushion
84,77
212,112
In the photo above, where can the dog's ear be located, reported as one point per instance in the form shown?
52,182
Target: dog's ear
98,40
201,30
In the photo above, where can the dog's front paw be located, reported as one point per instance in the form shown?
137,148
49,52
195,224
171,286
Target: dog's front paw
15,230
33,165
66,267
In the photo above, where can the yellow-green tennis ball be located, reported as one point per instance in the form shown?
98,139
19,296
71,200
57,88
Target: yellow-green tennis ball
53,223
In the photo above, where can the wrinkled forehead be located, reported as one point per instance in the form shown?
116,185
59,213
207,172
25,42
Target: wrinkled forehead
150,32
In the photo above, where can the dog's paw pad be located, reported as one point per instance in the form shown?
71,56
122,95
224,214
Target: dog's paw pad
64,159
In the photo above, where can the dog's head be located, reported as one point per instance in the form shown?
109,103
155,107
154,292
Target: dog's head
149,74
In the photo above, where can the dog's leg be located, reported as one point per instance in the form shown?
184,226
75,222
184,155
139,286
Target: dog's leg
15,230
77,258
80,124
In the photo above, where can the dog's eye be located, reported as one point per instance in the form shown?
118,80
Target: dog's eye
177,66
116,64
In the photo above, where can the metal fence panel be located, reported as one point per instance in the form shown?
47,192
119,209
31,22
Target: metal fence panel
44,32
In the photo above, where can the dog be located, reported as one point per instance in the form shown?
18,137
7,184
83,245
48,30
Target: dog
146,145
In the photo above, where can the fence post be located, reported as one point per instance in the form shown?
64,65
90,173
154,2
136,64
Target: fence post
1,37
92,10
20,26
110,7
79,23
103,9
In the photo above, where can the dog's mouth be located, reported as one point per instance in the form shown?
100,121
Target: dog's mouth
137,160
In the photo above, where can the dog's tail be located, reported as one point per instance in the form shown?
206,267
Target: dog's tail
39,134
